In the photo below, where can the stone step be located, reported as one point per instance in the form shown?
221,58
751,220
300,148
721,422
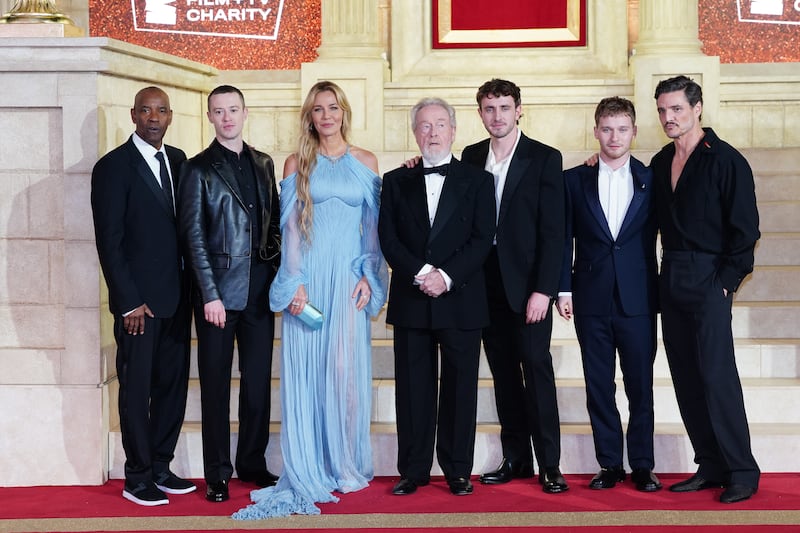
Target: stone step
773,160
778,249
768,401
774,446
771,284
756,358
751,320
777,185
779,216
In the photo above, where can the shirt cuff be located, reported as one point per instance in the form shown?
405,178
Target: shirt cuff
447,279
422,271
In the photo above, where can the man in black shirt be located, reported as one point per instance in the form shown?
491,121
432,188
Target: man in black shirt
706,205
229,217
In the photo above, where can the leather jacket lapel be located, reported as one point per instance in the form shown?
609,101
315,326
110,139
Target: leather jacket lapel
223,168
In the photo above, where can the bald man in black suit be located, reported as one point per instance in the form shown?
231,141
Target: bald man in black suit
137,243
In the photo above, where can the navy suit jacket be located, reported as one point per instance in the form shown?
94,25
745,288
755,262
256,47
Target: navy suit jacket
601,262
136,232
458,243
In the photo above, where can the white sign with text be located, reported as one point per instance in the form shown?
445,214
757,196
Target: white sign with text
251,19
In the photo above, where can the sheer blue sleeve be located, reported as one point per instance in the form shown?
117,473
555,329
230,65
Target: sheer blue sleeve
371,263
291,273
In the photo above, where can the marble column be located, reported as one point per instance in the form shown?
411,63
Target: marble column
669,45
352,55
668,27
350,29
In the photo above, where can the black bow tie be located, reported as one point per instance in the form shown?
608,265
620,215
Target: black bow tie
441,169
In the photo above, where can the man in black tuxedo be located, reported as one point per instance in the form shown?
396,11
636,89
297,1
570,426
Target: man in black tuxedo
229,216
522,274
137,243
708,217
435,226
610,287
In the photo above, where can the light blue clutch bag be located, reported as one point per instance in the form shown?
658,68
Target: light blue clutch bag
311,316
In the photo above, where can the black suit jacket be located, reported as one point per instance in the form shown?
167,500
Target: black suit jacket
135,231
602,262
215,224
530,225
458,243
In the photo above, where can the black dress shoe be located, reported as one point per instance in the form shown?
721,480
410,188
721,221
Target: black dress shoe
607,478
695,483
407,486
217,491
507,471
645,480
460,486
552,481
737,493
262,479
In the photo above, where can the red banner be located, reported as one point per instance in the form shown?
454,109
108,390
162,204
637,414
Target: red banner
508,23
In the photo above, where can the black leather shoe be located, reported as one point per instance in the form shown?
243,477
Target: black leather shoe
460,486
737,493
217,491
695,483
607,478
407,486
507,471
645,480
261,479
552,481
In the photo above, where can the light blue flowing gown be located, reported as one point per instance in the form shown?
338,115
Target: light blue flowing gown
326,375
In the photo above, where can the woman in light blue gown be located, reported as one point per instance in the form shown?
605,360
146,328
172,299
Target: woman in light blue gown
331,259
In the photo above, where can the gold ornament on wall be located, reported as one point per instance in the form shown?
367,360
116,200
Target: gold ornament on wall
32,11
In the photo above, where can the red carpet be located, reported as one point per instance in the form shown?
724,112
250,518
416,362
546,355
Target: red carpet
517,506
777,492
531,529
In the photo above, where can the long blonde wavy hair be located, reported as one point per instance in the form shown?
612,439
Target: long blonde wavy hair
309,146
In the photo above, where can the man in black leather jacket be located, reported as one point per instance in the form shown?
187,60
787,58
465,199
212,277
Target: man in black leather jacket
229,223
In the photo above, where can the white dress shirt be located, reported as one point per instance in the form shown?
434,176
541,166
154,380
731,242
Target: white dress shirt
615,188
149,154
433,191
499,170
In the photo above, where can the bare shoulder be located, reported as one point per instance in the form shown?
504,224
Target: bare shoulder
366,158
290,165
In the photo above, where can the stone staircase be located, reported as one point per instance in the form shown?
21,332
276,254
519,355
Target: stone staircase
766,322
